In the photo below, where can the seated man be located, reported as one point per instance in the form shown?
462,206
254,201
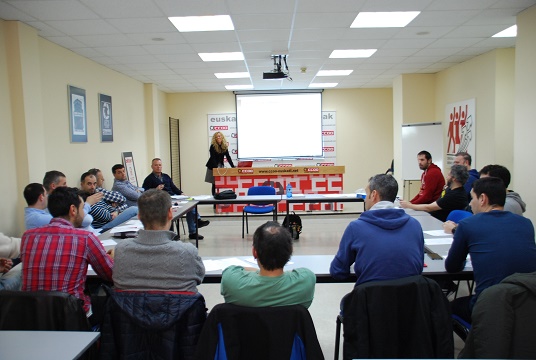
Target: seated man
114,198
271,285
384,243
10,278
125,187
36,214
158,180
432,180
105,215
153,261
513,202
500,243
453,198
463,158
55,257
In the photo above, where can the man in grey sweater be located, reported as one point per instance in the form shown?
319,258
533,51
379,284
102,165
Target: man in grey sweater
153,261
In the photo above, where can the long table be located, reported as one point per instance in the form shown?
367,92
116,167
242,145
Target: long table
321,198
45,345
246,199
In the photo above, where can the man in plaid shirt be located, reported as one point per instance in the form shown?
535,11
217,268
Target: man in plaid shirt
55,257
106,213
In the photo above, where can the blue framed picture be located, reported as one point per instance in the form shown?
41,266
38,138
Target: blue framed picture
77,114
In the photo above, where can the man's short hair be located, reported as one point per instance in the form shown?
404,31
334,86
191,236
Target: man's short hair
494,189
32,192
153,207
152,161
426,154
385,185
273,244
497,171
52,177
61,199
465,155
460,173
85,175
117,167
94,171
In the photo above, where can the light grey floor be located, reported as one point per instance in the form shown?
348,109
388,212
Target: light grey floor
321,235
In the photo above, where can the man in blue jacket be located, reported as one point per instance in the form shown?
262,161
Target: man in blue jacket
384,243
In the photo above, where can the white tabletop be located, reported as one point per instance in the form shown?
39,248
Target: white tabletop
45,345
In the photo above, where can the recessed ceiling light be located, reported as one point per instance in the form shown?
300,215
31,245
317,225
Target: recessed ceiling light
232,75
239,87
510,32
202,23
323,85
384,19
226,56
334,72
357,53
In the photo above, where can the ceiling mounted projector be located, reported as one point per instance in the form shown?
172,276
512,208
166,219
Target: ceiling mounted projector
277,73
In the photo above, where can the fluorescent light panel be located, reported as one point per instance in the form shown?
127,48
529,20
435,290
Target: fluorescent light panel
384,19
323,85
226,56
232,75
510,32
239,87
357,53
334,72
202,23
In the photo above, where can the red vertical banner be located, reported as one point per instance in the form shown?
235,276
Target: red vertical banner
461,131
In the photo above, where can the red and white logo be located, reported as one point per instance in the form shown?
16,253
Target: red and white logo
245,171
283,165
312,169
219,128
325,164
328,148
328,132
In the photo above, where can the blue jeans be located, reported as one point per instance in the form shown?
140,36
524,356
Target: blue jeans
12,280
190,220
121,218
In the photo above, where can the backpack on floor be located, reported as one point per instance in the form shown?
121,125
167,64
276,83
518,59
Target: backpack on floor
293,223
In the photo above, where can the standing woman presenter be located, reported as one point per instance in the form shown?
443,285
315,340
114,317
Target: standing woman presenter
219,147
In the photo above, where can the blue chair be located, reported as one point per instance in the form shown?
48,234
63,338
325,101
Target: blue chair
457,215
257,208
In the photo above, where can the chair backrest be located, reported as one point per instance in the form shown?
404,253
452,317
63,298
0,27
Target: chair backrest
261,190
238,332
503,325
457,215
403,318
151,325
41,310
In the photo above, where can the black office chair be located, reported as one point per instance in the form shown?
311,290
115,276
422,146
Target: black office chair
263,333
402,318
151,325
503,322
42,310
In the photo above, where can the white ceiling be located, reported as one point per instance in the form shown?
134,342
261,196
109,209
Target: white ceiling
134,37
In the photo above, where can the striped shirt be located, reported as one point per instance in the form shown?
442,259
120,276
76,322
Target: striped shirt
55,257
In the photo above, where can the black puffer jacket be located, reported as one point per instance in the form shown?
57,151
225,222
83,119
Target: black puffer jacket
140,325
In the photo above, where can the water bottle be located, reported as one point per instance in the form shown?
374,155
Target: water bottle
289,191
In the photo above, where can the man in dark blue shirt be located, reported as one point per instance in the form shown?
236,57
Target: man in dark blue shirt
500,243
158,180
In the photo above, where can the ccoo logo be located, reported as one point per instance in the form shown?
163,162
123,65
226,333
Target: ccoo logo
328,132
328,148
219,128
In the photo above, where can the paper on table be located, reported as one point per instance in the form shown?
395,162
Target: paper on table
109,242
437,233
124,229
220,264
135,222
201,197
179,197
438,241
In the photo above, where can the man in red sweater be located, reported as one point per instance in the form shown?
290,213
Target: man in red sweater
432,180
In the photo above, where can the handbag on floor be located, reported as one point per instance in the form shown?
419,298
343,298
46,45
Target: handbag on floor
294,224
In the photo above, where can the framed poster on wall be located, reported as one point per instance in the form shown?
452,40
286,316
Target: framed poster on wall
128,162
106,119
77,114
